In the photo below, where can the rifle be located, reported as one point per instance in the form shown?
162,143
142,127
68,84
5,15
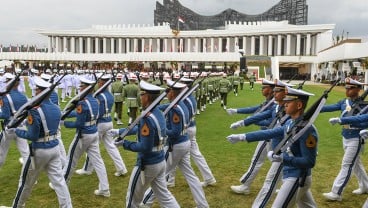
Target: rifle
103,87
303,124
300,86
22,112
291,78
72,104
11,84
183,92
356,107
193,88
144,113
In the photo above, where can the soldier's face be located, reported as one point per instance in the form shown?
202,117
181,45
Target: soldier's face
279,95
352,92
293,107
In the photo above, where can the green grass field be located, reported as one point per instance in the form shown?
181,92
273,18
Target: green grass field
227,161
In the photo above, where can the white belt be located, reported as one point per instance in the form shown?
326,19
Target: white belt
93,122
157,148
47,138
349,127
131,98
117,93
106,115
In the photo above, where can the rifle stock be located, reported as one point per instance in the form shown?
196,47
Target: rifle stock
144,113
11,84
72,104
22,112
308,119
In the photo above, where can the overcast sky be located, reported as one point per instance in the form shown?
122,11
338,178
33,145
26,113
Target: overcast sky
18,18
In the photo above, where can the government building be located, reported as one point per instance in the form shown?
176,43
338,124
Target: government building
280,37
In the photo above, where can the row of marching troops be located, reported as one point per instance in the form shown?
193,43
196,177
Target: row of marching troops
289,140
166,133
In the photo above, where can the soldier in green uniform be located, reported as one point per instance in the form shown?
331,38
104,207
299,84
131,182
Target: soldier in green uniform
132,98
236,83
252,79
241,81
225,86
117,90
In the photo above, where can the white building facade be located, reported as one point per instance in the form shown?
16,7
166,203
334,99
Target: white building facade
289,46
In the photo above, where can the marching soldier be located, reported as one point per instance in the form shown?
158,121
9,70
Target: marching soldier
10,103
149,170
132,99
117,90
352,144
104,123
42,126
252,79
300,157
86,139
236,81
224,86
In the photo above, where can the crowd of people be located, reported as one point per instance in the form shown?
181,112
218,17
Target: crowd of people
162,108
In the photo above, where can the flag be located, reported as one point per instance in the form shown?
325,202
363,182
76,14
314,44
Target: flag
181,20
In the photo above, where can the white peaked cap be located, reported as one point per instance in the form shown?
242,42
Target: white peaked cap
184,79
9,76
150,88
86,81
46,76
106,76
177,85
280,83
294,94
268,82
350,83
41,83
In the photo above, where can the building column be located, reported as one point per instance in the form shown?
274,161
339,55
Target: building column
308,45
261,45
252,45
181,48
278,45
112,45
80,44
158,45
245,44
49,46
72,44
236,44
212,45
220,45
127,45
65,45
57,46
150,45
227,45
135,45
189,45
104,45
288,44
120,43
298,37
165,45
269,52
196,45
97,40
88,45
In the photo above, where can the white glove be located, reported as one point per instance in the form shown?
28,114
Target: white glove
234,138
274,157
113,132
334,121
118,142
231,111
237,124
61,123
364,133
10,131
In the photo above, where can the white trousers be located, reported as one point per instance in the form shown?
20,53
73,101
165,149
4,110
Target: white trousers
180,157
154,176
291,194
44,160
351,163
87,143
22,146
110,147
